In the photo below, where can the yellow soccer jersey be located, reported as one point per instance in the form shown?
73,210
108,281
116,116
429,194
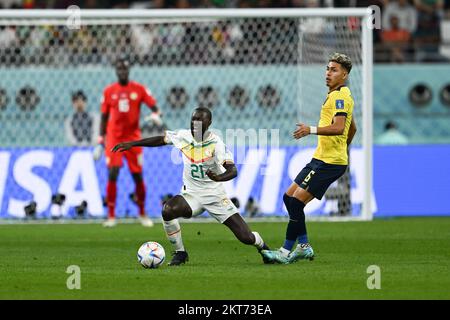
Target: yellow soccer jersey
333,149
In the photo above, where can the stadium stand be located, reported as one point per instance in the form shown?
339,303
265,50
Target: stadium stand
42,106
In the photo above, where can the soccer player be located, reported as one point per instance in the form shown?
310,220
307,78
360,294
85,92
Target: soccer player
335,130
207,163
120,111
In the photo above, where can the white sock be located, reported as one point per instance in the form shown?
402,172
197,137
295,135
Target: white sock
284,252
173,232
259,242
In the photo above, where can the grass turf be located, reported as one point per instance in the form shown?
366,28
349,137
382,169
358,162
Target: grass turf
413,254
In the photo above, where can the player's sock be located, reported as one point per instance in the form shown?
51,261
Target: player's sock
259,242
140,195
303,239
296,225
111,194
288,243
173,232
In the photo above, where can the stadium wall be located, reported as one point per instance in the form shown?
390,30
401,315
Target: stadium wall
44,126
408,180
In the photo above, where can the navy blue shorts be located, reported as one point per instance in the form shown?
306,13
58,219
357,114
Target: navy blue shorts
317,176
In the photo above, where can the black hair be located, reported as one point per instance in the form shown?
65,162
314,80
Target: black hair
342,59
390,125
205,110
79,94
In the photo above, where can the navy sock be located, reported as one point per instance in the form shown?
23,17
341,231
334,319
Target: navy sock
303,239
288,243
296,226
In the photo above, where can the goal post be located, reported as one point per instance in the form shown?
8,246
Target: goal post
257,69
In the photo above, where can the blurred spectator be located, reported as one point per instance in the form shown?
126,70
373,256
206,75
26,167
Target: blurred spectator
358,3
91,4
11,4
61,4
427,36
119,4
143,38
363,4
430,6
80,126
224,42
251,209
28,4
7,37
395,40
392,135
406,14
9,45
312,25
182,4
244,4
317,33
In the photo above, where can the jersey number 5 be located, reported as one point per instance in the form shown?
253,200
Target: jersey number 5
195,169
310,174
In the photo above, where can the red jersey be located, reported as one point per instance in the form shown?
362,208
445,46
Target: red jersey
123,103
392,36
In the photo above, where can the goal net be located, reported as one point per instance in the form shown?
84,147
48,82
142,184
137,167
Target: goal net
259,71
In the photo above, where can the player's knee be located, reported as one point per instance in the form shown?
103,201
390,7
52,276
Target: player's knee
168,212
171,211
286,200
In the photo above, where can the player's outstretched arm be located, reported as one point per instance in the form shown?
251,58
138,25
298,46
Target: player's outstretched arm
230,173
156,141
335,129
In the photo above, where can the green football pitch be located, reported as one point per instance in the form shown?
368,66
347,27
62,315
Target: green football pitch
412,253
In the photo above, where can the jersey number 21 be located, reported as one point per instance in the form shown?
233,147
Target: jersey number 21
197,171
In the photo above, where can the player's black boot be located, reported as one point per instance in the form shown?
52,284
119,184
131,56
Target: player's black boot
179,257
265,259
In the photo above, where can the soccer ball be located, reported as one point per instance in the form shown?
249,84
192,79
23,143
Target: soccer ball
151,255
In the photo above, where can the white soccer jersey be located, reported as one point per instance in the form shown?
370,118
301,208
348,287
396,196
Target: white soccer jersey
199,157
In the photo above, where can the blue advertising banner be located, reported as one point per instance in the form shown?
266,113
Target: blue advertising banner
412,180
408,180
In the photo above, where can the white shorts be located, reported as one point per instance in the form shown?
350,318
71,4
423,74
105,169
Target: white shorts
218,205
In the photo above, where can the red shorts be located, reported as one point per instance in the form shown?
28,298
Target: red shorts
134,156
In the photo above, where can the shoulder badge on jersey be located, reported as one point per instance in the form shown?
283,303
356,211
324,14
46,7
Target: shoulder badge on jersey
208,153
339,104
